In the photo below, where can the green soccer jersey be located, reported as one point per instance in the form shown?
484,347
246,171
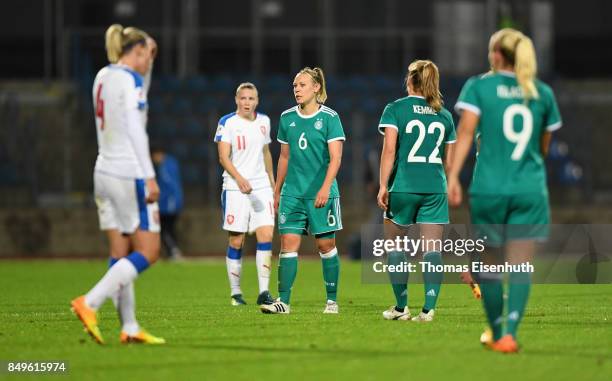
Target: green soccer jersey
509,132
422,131
307,137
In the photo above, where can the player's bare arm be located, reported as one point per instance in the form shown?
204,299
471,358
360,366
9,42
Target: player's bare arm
224,150
335,159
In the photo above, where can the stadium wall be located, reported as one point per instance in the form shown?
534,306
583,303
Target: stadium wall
60,232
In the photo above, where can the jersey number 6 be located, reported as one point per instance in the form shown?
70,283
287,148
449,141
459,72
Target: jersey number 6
433,156
302,142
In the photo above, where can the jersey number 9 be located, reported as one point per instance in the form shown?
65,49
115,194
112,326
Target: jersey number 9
521,139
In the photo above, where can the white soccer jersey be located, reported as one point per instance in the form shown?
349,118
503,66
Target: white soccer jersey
247,139
120,105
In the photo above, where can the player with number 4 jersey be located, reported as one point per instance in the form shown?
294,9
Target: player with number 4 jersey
512,116
306,195
418,132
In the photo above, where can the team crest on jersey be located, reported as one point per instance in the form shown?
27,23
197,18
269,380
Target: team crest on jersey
263,130
318,124
230,219
282,218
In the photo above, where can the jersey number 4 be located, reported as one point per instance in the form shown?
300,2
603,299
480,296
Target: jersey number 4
100,106
434,155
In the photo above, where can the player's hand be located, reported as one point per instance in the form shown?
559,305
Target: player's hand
455,192
276,201
383,198
152,190
322,197
244,185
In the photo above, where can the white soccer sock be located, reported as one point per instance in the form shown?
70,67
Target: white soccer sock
234,272
122,273
125,303
263,259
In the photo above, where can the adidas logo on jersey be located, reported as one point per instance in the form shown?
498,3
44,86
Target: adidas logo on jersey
292,124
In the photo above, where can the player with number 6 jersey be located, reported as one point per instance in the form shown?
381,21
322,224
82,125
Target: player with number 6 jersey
242,139
512,115
418,135
306,194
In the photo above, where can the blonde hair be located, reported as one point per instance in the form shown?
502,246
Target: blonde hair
246,85
518,51
318,77
121,40
424,76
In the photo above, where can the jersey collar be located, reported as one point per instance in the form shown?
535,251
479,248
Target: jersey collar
507,73
416,96
297,110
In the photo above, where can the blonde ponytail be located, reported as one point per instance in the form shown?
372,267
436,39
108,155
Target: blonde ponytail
317,76
525,67
424,77
113,42
121,40
518,51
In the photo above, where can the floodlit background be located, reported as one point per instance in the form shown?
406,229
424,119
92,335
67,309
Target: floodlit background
52,49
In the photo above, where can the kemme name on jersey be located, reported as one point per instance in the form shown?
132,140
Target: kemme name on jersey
421,133
247,139
120,104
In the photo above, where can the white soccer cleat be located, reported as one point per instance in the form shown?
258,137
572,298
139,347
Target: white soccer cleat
393,314
424,317
331,307
277,307
486,338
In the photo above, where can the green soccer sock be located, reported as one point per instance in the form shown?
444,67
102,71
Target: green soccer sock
287,270
399,280
432,280
518,294
331,271
493,301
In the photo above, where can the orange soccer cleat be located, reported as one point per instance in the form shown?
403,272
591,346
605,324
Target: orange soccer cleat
88,317
507,344
142,337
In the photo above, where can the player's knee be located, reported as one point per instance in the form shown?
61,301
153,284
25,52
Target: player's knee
235,240
290,242
326,245
265,236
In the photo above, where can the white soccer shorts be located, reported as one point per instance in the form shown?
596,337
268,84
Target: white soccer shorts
246,212
122,204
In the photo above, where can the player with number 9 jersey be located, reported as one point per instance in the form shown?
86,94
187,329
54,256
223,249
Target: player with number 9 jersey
512,115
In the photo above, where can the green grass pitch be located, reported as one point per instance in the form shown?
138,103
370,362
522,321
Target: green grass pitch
566,335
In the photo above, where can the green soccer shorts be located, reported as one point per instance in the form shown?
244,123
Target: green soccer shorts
405,209
299,216
502,218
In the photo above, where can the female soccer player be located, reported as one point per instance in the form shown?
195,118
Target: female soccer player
513,115
124,181
247,198
412,179
306,194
